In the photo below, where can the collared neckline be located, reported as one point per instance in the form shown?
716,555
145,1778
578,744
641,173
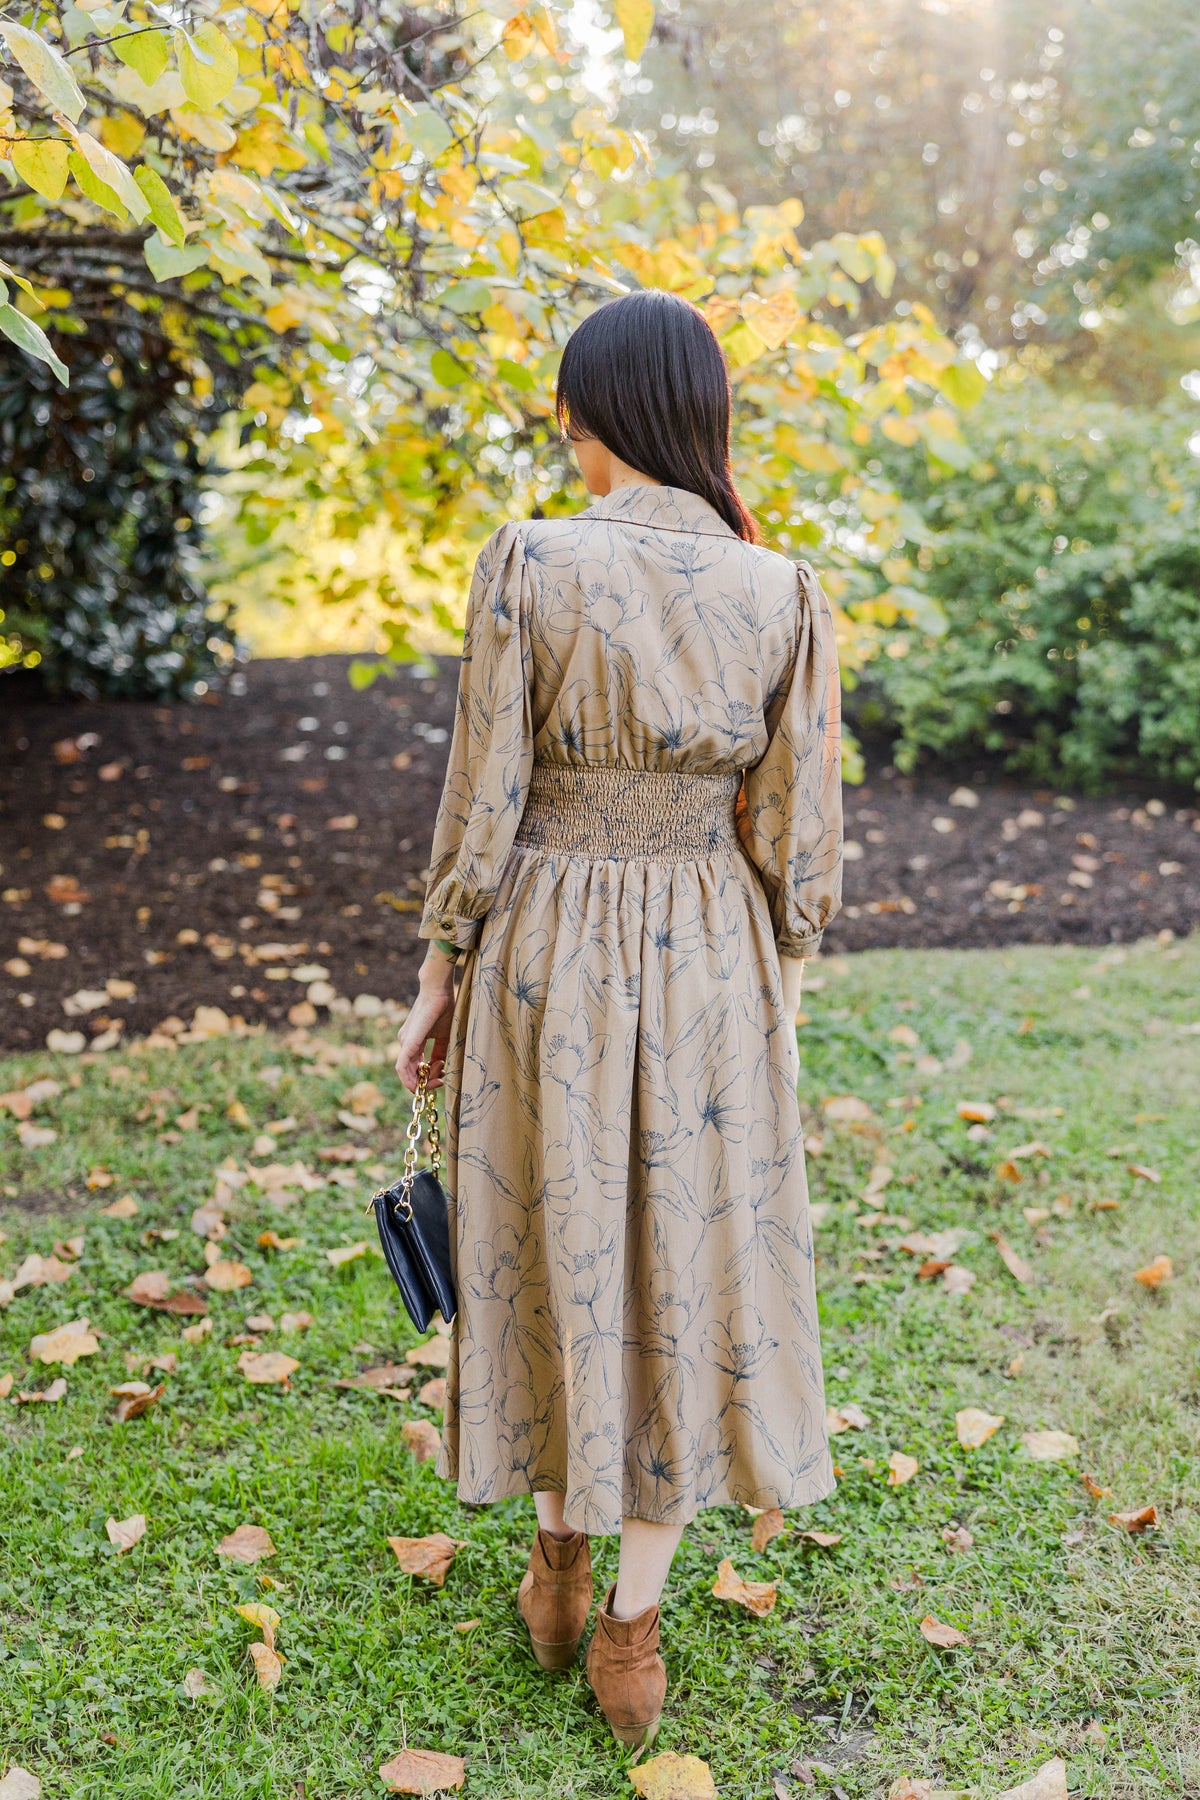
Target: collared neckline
661,508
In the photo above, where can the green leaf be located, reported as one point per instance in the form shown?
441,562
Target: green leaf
208,65
114,174
924,611
447,369
854,256
963,384
145,52
166,263
636,19
32,339
95,189
44,164
467,296
515,375
49,72
428,132
161,201
362,674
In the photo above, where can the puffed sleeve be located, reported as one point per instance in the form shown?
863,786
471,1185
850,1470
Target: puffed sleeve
790,808
491,751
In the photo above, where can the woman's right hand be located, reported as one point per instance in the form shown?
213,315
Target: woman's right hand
430,1016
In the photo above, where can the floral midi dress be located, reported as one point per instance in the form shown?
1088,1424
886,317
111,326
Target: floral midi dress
641,813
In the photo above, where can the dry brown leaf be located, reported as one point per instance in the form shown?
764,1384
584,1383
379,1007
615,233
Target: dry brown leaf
945,1637
152,1288
388,1378
1048,1783
132,1406
1049,1446
845,1418
224,1276
824,1540
271,1240
908,1584
957,1280
975,1427
248,1544
979,1112
124,1208
1144,1519
20,1784
256,1612
1094,1488
344,1253
1016,1265
196,1684
941,1246
768,1525
56,1391
957,1539
671,1777
427,1557
433,1393
422,1772
66,1344
433,1354
125,1533
296,1321
846,1109
422,1438
758,1597
1156,1273
901,1468
196,1334
265,1366
268,1666
1008,1171
1144,1174
6,1386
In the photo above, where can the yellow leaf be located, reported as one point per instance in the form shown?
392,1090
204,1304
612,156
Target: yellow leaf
758,1597
518,37
49,72
1156,1273
208,65
901,1468
223,1276
256,1612
121,133
636,19
43,164
672,1777
267,1666
974,1427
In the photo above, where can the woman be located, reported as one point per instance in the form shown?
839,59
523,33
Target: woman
638,843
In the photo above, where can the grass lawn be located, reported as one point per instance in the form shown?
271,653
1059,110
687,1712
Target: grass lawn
1083,1640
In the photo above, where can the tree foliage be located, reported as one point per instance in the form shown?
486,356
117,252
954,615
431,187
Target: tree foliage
365,234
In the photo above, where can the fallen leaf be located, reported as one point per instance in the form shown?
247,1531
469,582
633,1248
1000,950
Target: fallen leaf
768,1525
296,1321
1156,1273
672,1777
271,1240
846,1109
901,1468
422,1438
1049,1783
758,1597
345,1253
265,1366
223,1276
1050,1446
957,1539
433,1393
974,1427
433,1354
824,1540
256,1612
945,1637
422,1772
196,1334
132,1406
979,1112
1016,1265
1144,1519
1144,1174
427,1557
56,1391
248,1544
267,1666
19,1784
125,1533
958,1280
845,1418
66,1344
1094,1488
196,1683
124,1208
941,1245
388,1378
1008,1171
152,1288
35,1137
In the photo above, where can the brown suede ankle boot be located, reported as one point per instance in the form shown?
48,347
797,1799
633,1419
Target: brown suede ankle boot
626,1672
555,1596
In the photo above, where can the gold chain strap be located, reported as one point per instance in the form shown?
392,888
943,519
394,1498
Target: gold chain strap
424,1108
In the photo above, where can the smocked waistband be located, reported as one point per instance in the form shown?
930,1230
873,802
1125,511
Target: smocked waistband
656,815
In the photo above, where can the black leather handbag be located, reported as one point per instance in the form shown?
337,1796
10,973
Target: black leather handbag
413,1225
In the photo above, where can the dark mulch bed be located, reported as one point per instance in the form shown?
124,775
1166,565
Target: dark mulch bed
296,814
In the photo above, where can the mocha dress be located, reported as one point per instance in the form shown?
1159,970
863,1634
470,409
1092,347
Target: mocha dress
641,813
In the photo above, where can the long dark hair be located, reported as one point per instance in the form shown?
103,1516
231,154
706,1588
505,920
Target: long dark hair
645,375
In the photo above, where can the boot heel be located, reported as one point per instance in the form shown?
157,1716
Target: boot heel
554,1657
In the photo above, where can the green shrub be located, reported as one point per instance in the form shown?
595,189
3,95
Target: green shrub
100,487
1066,558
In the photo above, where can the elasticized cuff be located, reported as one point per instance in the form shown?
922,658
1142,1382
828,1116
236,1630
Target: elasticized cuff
798,947
459,932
